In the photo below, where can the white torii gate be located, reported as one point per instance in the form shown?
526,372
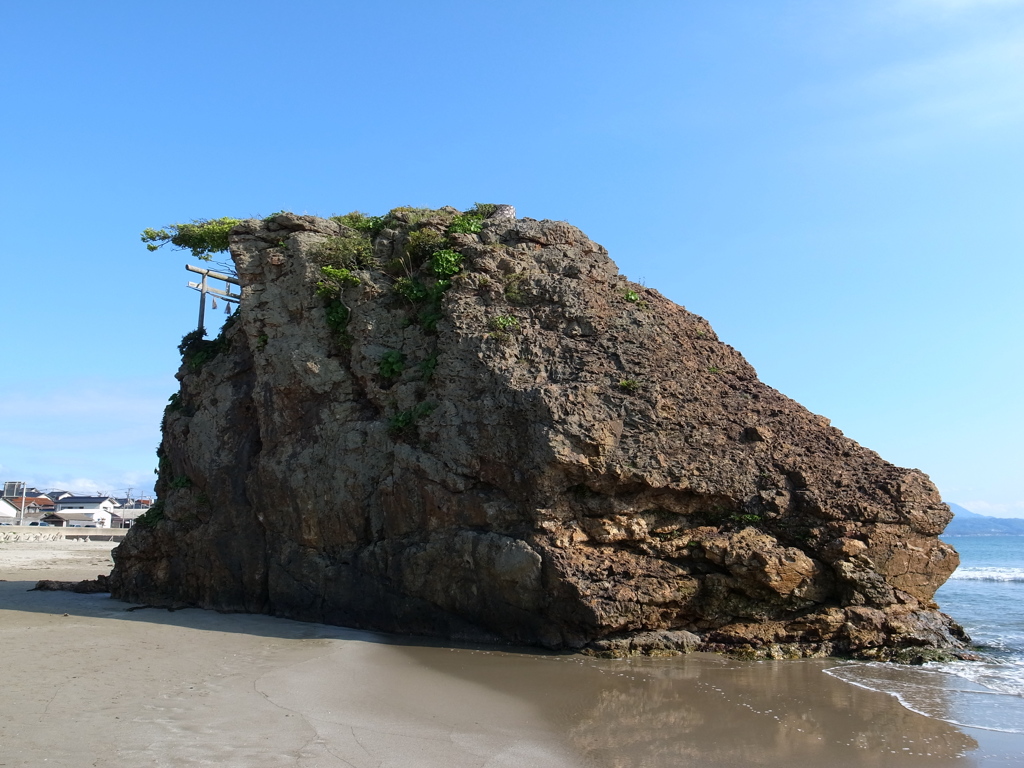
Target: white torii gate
203,288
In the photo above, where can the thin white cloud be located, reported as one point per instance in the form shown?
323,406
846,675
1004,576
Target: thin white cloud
979,85
80,485
933,81
78,399
77,415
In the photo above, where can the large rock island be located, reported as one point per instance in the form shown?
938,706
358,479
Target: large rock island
472,426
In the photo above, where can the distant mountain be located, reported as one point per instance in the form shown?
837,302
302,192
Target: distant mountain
967,523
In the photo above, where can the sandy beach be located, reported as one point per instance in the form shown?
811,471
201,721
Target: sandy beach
88,681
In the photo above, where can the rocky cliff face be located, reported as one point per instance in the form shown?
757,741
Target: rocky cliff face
432,424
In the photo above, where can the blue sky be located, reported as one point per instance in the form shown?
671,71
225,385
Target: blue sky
836,187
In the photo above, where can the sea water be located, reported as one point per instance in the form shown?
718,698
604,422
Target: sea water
986,595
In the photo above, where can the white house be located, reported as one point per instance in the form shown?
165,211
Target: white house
87,518
9,513
13,511
86,510
105,503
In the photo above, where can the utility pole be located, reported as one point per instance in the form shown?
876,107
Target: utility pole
21,518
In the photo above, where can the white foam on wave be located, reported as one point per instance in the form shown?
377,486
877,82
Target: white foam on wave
988,574
1004,676
986,695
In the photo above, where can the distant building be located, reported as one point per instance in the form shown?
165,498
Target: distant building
127,503
8,512
63,508
88,518
86,510
106,503
42,503
23,510
15,490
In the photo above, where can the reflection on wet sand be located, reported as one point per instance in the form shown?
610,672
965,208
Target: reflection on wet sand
705,710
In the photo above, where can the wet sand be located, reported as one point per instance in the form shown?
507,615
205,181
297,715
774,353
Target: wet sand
86,681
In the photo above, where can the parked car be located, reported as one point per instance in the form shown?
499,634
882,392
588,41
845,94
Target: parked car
40,522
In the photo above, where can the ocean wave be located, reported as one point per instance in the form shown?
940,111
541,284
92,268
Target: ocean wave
1005,676
988,574
973,694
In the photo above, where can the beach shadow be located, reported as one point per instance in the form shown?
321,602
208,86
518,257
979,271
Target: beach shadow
22,596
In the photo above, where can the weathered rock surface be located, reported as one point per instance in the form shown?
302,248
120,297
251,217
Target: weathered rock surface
543,453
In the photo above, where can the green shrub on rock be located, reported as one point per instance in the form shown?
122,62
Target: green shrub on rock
483,210
413,290
151,516
350,252
337,319
392,363
504,323
196,350
404,420
361,222
467,223
336,280
446,262
204,237
421,245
